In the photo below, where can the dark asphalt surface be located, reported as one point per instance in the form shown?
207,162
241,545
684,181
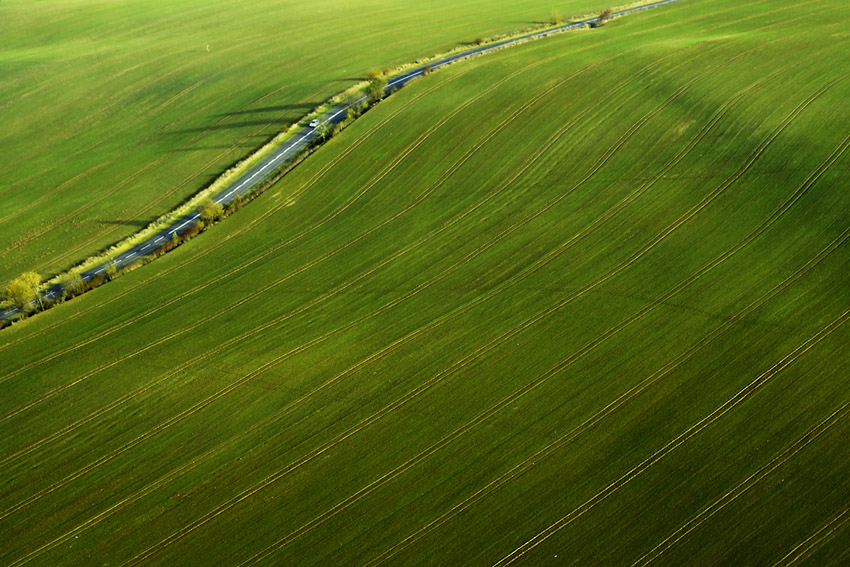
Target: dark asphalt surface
303,138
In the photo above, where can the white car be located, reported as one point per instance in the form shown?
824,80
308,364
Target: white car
314,122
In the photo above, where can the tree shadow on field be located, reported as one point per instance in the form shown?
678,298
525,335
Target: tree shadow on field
278,108
215,148
230,126
139,223
532,23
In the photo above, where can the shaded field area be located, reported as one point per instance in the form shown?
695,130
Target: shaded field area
111,114
583,301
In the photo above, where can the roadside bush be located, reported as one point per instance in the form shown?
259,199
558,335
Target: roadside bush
210,211
555,18
192,231
71,284
478,41
323,132
234,205
96,281
164,248
604,17
111,271
427,69
375,88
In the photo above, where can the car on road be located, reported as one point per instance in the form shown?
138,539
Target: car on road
314,122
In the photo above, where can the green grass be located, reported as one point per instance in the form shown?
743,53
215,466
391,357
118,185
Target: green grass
112,114
586,297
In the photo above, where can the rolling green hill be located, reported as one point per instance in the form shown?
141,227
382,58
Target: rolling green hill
583,301
112,113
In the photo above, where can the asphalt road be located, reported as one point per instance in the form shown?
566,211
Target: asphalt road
280,157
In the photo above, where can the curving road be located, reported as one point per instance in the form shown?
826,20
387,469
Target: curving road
304,137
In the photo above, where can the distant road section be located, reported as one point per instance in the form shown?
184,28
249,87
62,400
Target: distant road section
303,138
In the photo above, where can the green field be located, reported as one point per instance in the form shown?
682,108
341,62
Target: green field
583,301
112,113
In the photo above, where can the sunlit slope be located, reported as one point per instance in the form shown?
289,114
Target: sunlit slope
113,113
586,297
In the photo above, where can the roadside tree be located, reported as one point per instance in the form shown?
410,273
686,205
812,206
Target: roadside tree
71,283
23,290
210,211
555,17
111,270
376,87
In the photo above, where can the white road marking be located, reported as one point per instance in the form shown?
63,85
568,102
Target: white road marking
265,167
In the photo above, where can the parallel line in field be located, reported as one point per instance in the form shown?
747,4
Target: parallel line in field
208,250
558,368
183,295
254,331
468,359
789,452
508,120
628,134
616,404
124,182
58,222
30,448
492,133
810,436
407,397
804,548
146,490
742,395
205,320
215,246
